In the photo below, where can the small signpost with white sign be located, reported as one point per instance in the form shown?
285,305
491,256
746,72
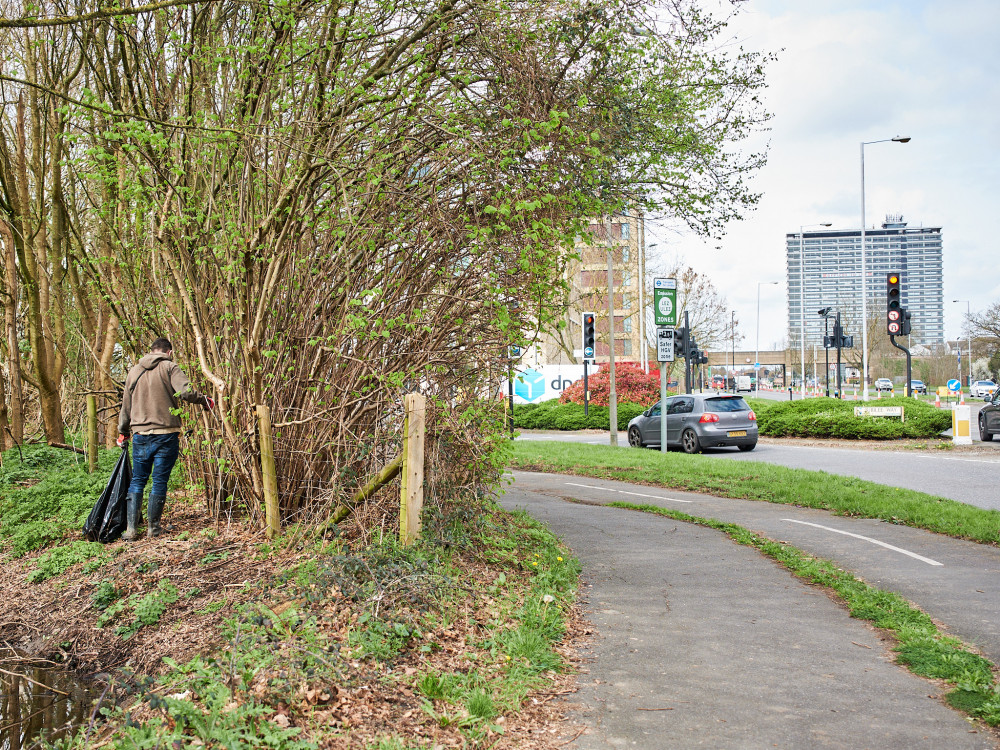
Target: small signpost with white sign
664,344
880,411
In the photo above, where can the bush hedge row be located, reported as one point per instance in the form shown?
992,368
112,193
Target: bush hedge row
815,417
551,415
833,418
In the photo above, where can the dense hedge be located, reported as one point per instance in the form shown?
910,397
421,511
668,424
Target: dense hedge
551,415
814,417
832,418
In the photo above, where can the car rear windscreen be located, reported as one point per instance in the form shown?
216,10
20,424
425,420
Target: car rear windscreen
725,404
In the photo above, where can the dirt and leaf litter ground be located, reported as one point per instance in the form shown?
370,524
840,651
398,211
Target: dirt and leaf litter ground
323,642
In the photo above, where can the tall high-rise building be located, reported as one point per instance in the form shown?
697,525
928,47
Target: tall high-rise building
832,277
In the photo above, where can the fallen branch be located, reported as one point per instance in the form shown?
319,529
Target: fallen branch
385,476
54,444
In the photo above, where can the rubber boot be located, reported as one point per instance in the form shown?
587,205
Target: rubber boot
133,505
155,513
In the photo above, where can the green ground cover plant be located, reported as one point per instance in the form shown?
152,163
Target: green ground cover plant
56,561
759,481
922,647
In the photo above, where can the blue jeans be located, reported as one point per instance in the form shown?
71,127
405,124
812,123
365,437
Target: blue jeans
154,454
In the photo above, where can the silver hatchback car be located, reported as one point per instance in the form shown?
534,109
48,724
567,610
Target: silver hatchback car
696,421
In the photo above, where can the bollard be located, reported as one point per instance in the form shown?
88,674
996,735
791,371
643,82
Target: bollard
961,433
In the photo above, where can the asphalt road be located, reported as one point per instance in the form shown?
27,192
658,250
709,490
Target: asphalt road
703,643
968,478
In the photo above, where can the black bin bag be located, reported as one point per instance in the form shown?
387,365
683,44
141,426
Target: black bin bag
106,521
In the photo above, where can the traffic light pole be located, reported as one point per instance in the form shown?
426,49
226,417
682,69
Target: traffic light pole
826,353
586,391
838,335
510,393
909,368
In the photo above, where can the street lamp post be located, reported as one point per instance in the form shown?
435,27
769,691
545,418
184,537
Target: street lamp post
864,268
756,381
642,307
968,314
732,328
802,298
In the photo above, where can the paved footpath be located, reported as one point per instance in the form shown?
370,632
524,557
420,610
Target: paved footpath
701,642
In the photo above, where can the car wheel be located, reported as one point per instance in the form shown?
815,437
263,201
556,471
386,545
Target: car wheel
689,442
635,438
747,447
984,434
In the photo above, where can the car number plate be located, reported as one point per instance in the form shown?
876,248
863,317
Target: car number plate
738,433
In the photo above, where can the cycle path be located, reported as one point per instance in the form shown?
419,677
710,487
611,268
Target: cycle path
704,643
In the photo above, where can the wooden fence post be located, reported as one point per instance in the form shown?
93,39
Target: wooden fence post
268,472
412,494
91,433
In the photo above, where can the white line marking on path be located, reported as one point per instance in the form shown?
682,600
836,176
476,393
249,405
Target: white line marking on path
868,539
623,492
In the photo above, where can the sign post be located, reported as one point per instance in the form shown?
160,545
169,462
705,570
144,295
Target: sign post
665,356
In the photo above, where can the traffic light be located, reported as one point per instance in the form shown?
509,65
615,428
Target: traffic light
681,343
905,326
700,358
589,336
893,304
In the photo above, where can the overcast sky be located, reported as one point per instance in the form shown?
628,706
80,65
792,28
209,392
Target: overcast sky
863,70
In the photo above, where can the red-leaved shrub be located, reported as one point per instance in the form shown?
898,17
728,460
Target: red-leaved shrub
631,384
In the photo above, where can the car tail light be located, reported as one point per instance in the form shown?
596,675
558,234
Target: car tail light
752,416
709,417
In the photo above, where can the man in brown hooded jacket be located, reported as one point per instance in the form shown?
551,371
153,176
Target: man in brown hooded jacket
149,403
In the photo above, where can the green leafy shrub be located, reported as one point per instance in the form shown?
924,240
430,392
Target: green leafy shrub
834,418
552,415
632,385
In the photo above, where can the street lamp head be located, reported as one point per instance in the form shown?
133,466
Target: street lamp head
826,224
901,139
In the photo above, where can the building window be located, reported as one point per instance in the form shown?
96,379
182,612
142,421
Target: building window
625,231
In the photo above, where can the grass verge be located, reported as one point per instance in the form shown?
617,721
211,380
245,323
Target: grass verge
845,496
921,646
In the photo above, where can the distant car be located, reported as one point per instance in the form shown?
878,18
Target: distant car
981,388
917,386
883,384
696,421
989,417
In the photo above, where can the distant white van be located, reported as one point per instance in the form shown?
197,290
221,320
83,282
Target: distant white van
743,383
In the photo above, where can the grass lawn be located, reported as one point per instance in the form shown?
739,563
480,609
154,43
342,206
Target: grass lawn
759,481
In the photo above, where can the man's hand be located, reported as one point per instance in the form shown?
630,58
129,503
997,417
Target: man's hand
122,439
209,403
